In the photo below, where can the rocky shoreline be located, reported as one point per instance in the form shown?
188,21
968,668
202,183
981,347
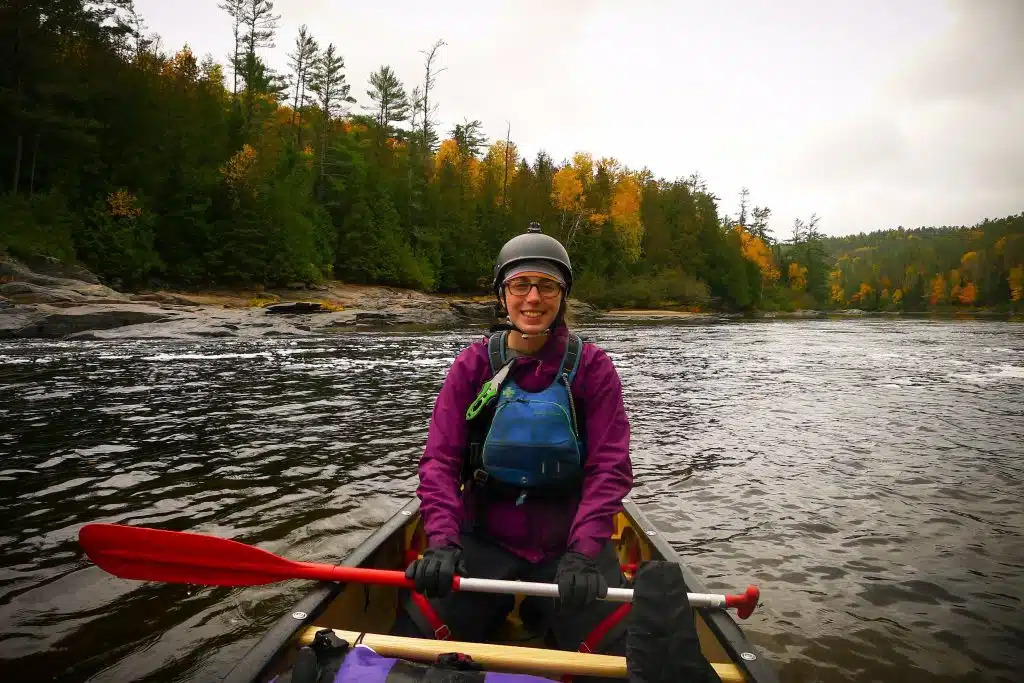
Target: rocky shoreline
54,301
51,300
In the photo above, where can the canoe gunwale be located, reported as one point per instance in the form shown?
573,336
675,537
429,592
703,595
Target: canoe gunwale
728,632
257,660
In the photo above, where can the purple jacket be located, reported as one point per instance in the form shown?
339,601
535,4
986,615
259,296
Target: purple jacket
537,529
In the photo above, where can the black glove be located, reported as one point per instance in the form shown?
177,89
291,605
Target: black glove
579,581
435,571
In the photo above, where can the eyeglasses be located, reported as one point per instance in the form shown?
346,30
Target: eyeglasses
548,289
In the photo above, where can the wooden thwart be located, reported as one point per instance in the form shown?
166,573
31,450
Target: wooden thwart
531,660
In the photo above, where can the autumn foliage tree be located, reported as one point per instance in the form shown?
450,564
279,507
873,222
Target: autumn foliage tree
155,169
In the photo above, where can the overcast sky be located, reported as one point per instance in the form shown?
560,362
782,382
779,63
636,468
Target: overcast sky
872,113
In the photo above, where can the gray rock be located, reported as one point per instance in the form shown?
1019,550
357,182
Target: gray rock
582,310
48,265
474,310
28,293
65,322
15,272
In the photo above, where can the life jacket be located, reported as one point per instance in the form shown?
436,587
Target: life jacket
529,443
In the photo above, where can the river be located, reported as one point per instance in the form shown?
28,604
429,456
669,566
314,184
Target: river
866,474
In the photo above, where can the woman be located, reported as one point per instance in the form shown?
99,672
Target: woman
520,477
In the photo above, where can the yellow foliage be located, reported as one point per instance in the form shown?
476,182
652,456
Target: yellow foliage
448,154
583,164
237,170
567,190
492,168
261,301
1016,280
797,276
837,294
897,296
611,166
938,290
884,295
1000,245
123,204
332,306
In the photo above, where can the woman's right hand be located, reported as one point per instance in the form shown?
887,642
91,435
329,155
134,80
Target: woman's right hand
435,572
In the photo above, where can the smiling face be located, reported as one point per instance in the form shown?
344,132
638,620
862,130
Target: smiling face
532,301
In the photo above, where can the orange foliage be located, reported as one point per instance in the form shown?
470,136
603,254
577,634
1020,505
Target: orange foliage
862,293
968,294
756,251
349,128
625,213
123,204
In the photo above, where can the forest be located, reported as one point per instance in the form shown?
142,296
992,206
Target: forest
160,169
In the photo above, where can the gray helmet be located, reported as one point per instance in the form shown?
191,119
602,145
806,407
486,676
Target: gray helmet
532,246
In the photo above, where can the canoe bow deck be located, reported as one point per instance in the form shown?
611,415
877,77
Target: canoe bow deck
356,609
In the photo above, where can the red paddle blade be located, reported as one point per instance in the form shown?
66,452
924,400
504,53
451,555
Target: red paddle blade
183,557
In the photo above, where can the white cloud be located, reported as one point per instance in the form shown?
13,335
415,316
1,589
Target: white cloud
942,140
870,113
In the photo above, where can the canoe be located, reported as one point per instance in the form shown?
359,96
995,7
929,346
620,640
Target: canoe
367,612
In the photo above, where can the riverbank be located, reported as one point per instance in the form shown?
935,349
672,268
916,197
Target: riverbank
52,300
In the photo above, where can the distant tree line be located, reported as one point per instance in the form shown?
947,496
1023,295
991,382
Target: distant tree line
162,169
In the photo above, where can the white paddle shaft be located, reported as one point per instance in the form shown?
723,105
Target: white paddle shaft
550,590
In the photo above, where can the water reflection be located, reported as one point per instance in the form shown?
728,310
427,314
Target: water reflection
864,473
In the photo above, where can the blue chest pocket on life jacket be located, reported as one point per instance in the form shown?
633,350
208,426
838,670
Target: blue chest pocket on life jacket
532,442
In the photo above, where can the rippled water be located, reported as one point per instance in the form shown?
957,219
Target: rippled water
866,474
